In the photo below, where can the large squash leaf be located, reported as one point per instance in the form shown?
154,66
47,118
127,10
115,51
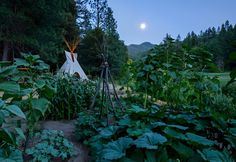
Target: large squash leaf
116,150
215,156
199,139
150,141
174,134
183,150
10,87
15,110
40,104
109,131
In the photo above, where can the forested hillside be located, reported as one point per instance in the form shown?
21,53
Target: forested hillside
138,50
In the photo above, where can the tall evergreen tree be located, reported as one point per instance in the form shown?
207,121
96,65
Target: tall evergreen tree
35,26
84,16
99,8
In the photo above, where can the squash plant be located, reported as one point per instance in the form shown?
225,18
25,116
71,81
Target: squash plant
8,137
164,134
21,89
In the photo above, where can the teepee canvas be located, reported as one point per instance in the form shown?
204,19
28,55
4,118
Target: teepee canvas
72,66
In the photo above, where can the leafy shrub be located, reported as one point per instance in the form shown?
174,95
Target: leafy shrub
50,145
72,96
156,80
158,134
11,154
20,90
9,138
86,125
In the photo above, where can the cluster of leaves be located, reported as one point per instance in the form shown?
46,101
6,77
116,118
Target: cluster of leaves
230,86
19,32
8,137
72,96
157,79
159,134
51,144
86,125
21,97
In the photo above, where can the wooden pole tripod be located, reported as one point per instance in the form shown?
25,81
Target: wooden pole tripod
105,77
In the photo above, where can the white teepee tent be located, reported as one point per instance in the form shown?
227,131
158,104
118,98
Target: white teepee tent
72,66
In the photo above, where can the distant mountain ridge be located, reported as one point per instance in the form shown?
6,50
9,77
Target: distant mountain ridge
138,50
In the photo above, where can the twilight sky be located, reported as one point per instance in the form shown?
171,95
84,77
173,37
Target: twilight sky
169,16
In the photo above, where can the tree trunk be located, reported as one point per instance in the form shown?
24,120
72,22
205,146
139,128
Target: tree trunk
5,51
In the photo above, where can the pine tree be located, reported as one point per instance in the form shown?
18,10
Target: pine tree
99,8
36,27
84,16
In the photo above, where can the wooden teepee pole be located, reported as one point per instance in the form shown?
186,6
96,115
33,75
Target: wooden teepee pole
72,46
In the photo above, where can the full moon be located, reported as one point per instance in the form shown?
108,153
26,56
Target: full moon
143,26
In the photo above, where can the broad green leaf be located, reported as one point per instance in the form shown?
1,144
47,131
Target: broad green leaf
162,155
14,156
20,133
137,110
231,140
126,121
215,156
108,131
25,92
21,62
116,150
1,103
178,127
10,87
150,141
199,139
6,71
233,131
40,83
183,150
153,77
15,110
174,134
40,104
158,124
141,74
148,68
6,136
151,156
167,65
232,121
48,91
135,132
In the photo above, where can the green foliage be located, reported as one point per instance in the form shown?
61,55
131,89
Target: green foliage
189,135
21,91
20,30
187,88
7,135
51,144
72,96
11,155
116,150
86,126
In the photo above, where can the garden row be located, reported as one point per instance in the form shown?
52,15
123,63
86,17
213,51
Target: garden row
195,122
